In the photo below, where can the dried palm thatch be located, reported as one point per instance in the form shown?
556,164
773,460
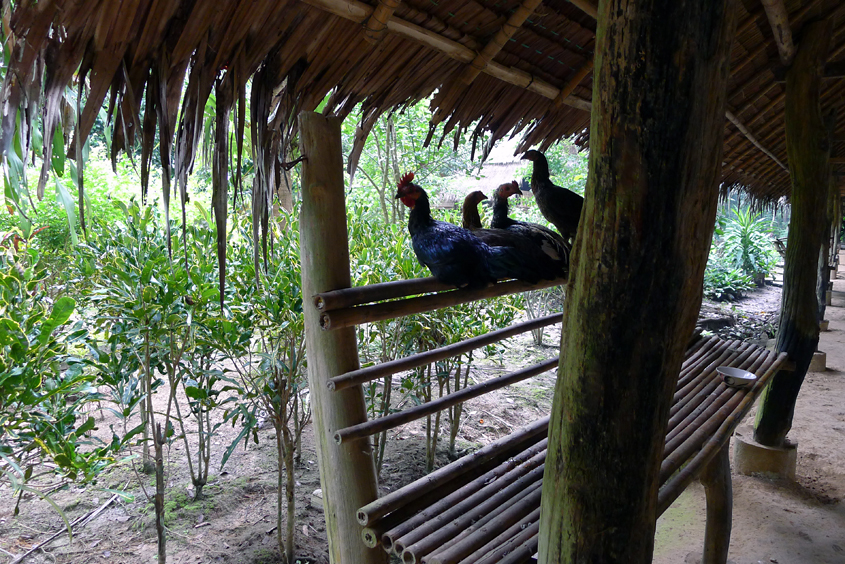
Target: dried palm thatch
516,67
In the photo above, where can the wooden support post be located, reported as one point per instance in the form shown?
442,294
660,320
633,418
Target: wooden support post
823,284
347,472
718,491
808,148
659,90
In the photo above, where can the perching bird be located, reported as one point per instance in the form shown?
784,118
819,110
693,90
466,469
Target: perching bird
560,206
469,210
542,255
547,239
455,255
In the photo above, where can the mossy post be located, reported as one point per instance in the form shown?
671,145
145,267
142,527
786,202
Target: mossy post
637,274
347,471
808,148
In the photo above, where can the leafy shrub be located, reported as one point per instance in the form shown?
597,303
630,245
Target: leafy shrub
43,384
747,245
723,281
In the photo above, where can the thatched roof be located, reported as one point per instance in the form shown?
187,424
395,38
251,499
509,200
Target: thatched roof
499,66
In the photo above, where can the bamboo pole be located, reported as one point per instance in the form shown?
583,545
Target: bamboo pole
377,22
437,532
394,420
744,130
779,20
528,435
573,83
357,295
468,496
488,527
347,473
508,29
421,359
340,318
512,550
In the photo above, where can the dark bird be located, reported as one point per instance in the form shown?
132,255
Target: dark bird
455,255
469,210
560,206
542,252
547,239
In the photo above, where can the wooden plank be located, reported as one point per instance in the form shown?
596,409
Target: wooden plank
586,6
653,162
807,144
347,473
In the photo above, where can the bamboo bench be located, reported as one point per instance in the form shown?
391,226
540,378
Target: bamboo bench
485,507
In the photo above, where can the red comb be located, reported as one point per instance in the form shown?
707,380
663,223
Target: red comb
405,180
515,185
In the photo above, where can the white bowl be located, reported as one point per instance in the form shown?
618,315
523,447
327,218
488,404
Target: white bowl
736,377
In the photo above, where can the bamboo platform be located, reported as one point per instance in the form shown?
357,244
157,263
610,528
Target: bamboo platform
485,508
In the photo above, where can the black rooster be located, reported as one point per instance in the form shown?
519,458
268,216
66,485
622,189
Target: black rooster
560,206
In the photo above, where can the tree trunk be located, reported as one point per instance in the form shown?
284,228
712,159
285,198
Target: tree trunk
347,471
825,261
808,147
637,272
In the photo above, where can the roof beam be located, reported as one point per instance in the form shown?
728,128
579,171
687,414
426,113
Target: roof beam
837,160
570,86
779,20
508,29
733,119
587,7
358,12
375,24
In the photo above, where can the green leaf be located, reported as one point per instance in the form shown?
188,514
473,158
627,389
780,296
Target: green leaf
85,427
196,393
64,198
62,310
59,155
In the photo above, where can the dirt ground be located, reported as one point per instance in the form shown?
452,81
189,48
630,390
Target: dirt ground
774,521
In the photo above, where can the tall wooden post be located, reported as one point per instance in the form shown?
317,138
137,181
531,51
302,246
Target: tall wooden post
637,272
347,472
807,145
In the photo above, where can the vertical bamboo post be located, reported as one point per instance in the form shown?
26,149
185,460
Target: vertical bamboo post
808,148
347,472
659,90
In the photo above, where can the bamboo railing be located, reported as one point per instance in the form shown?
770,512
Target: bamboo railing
494,517
345,307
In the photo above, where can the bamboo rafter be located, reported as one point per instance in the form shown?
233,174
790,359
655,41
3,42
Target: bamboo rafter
515,21
573,83
375,24
733,119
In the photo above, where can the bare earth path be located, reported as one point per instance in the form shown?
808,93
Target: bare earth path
778,521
